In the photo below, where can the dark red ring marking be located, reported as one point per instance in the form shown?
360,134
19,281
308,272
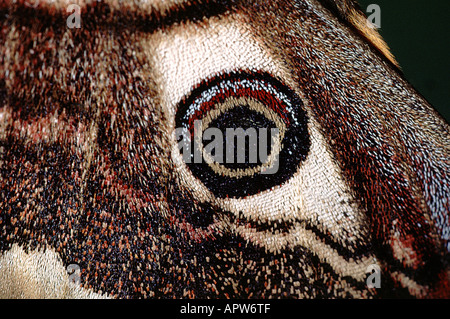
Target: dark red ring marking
266,98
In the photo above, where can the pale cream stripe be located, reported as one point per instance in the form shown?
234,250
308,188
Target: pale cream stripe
413,287
37,274
300,236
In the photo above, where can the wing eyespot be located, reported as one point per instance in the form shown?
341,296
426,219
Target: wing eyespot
242,132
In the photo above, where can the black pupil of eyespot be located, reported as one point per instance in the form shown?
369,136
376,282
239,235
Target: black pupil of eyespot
251,122
255,108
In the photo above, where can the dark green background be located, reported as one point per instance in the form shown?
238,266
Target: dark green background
418,33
